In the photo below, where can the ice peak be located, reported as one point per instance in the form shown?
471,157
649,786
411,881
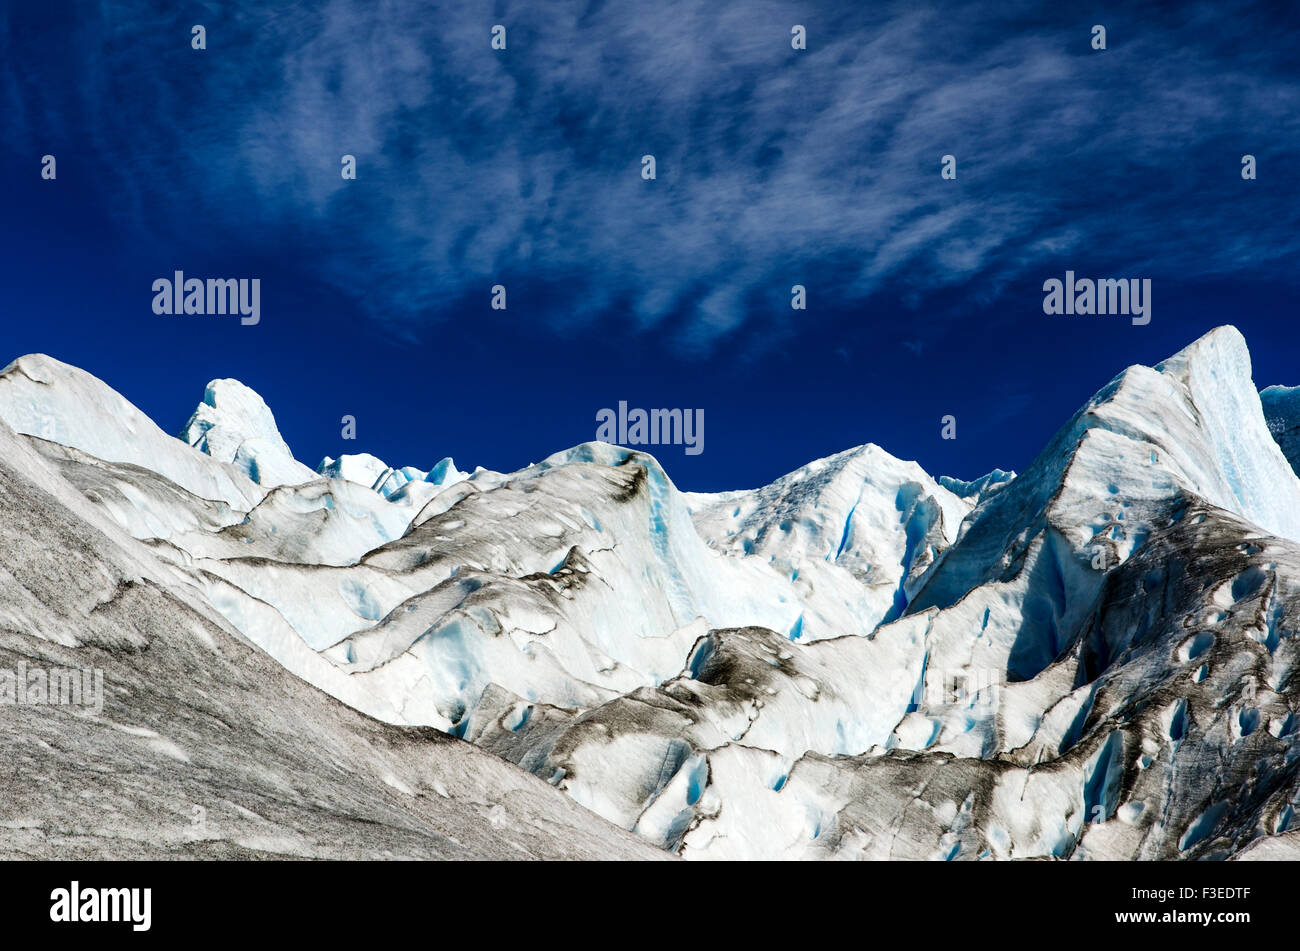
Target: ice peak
229,414
233,424
1222,349
445,473
39,367
361,468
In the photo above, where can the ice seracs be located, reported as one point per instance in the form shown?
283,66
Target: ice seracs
233,424
856,660
1281,406
373,473
360,468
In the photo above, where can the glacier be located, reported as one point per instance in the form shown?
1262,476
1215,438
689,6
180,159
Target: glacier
857,660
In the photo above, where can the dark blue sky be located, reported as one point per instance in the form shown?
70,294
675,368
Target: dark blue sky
775,167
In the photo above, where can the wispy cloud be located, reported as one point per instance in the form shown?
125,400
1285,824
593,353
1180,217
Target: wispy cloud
476,165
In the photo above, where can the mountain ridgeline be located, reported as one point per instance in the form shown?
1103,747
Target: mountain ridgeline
1091,659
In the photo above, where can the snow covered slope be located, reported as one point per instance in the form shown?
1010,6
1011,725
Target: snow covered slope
857,660
880,519
204,746
40,396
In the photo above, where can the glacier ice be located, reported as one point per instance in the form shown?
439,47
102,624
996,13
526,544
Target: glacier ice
855,660
233,424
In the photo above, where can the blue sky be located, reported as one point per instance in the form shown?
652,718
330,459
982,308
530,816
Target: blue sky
522,167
